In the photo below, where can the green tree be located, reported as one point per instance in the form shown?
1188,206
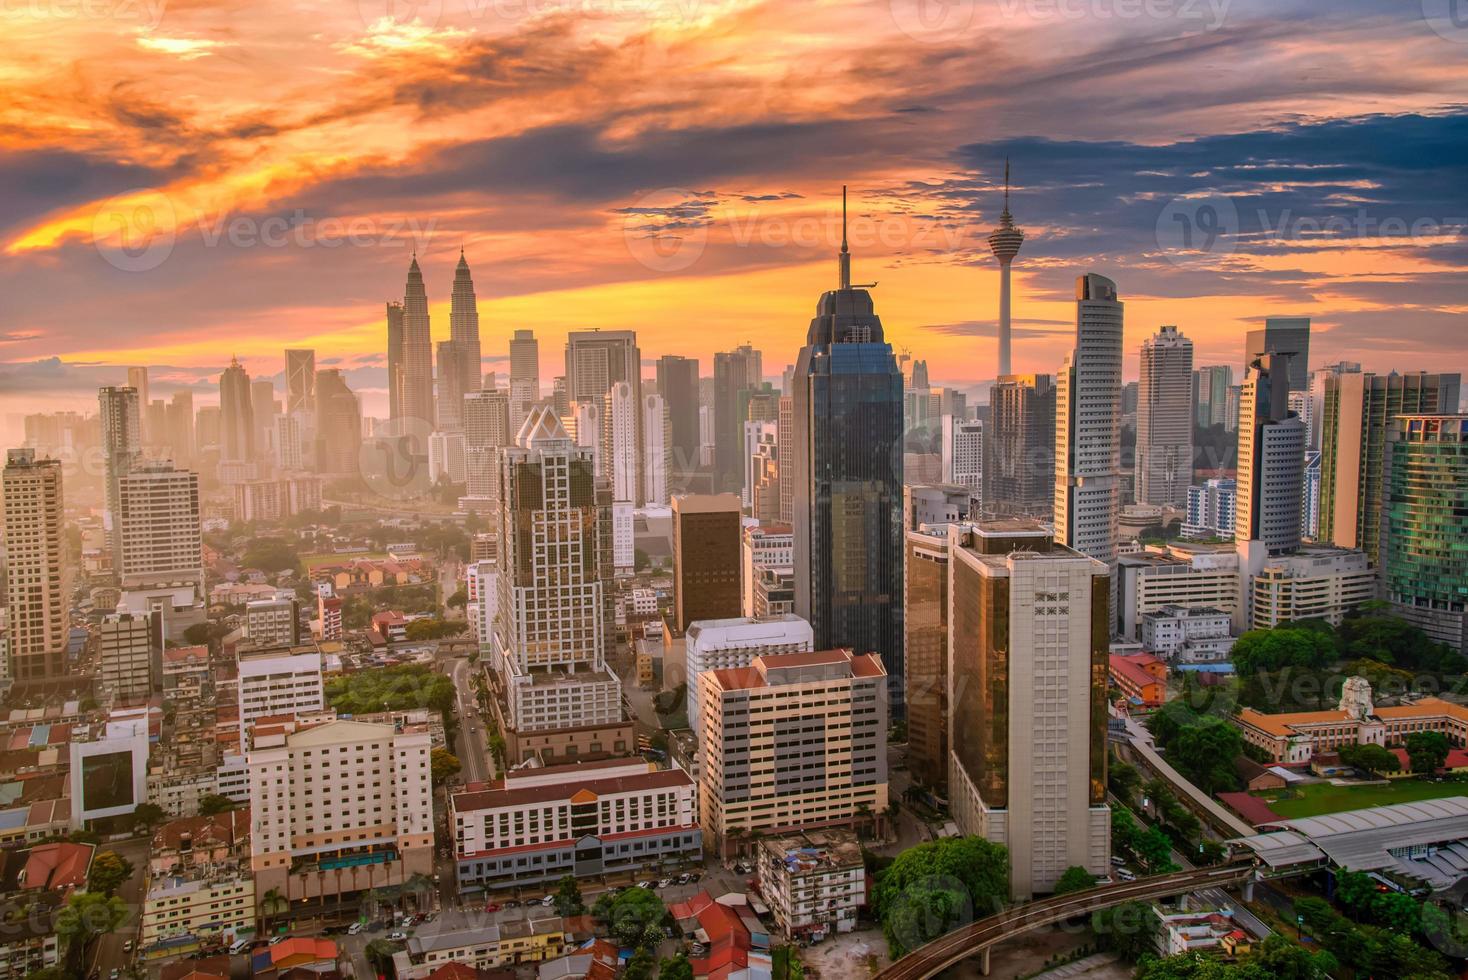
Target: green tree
1284,646
1205,754
1154,849
272,905
1124,779
443,765
109,871
149,815
1370,758
1125,929
677,968
1427,751
84,917
628,914
212,803
1075,879
640,966
929,889
458,600
568,897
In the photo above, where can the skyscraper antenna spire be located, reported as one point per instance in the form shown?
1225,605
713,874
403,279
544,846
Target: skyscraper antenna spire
1006,184
844,262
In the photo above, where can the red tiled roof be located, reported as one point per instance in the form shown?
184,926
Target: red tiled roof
57,867
484,799
1457,759
1132,670
454,971
1251,808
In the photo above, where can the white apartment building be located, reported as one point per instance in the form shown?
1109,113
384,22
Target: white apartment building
768,546
815,882
1210,511
125,656
1174,575
282,681
538,825
201,905
621,444
717,644
793,741
1188,634
273,622
1088,425
1314,583
344,796
446,457
158,526
624,537
36,571
482,589
963,453
657,437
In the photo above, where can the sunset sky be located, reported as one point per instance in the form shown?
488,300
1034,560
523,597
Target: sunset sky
183,180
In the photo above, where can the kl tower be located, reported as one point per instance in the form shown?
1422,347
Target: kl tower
1004,242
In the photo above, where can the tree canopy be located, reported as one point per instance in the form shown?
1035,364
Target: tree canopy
931,889
1292,646
109,871
1075,879
397,688
443,765
634,916
1427,751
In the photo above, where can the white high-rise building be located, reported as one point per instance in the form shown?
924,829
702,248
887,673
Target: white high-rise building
716,644
446,457
35,574
551,635
290,441
620,443
656,449
764,547
486,432
483,590
1271,476
1164,464
586,430
339,808
1211,509
963,453
280,681
159,527
1088,425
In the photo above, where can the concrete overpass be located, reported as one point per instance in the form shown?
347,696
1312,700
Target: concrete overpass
977,938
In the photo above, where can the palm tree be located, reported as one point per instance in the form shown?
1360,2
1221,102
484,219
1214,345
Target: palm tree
272,903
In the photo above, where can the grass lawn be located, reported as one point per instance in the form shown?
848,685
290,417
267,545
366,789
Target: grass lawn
315,561
1318,798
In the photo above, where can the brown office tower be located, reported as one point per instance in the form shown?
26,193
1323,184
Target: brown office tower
706,557
1028,631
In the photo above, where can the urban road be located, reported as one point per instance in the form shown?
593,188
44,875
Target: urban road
976,938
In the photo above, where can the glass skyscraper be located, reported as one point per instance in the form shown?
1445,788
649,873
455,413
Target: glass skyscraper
848,480
1425,524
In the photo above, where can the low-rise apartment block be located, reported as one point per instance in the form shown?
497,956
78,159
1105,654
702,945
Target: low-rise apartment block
1188,635
538,825
814,882
482,942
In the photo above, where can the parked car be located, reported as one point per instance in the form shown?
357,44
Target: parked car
548,901
1125,875
665,882
354,928
491,907
684,878
644,884
127,946
511,904
397,936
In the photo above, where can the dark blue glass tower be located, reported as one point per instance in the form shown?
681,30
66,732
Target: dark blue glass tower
847,459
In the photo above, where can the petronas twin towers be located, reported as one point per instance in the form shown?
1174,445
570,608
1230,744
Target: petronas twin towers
410,353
